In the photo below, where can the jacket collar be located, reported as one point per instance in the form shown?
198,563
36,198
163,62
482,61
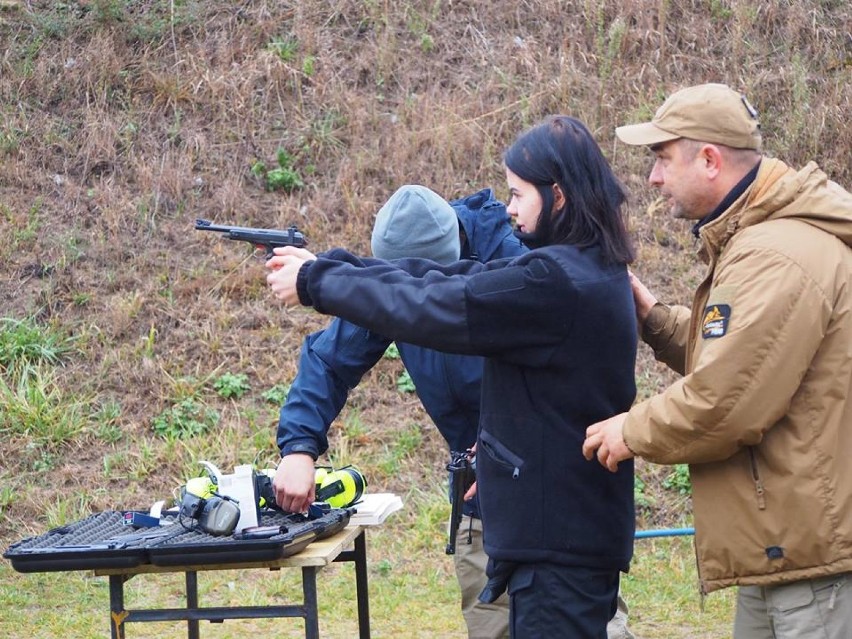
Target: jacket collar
729,199
753,204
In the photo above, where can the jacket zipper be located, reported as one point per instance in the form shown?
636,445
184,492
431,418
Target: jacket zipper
758,482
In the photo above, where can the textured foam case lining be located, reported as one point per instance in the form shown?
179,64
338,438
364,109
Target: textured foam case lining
84,544
103,540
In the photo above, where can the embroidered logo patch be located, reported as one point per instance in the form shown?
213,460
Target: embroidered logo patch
715,322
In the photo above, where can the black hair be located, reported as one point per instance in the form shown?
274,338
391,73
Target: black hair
560,150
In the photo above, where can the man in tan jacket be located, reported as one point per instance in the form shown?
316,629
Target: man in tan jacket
763,412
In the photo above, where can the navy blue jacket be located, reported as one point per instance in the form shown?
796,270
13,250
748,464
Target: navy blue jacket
334,360
558,329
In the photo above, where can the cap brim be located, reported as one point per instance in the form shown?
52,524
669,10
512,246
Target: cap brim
645,134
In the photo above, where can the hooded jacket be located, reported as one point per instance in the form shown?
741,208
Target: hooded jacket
557,328
763,413
334,360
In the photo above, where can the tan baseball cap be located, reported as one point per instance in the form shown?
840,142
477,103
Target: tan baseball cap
708,112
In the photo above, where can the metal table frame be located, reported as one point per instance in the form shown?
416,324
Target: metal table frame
311,560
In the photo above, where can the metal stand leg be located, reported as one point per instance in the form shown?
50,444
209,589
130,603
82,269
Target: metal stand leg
192,614
117,613
361,586
309,588
192,602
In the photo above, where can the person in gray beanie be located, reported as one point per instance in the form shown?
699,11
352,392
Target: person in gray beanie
416,222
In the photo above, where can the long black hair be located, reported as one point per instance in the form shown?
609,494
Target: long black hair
560,150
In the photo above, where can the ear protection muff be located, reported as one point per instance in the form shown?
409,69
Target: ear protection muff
339,488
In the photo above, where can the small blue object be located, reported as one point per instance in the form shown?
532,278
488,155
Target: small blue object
140,520
664,532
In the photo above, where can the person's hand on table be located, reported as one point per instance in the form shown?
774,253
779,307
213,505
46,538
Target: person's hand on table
294,483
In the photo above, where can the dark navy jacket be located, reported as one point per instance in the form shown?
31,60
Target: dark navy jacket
334,360
558,329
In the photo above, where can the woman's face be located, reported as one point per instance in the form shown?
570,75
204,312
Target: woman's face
524,202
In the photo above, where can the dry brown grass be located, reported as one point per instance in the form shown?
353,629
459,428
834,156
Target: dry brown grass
120,122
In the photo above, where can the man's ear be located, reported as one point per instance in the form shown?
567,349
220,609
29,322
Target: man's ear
558,198
711,158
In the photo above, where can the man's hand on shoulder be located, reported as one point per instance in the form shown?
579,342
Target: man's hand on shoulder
293,483
642,297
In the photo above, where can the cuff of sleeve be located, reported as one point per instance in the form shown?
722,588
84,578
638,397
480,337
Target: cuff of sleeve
300,447
655,322
635,433
302,284
656,319
627,433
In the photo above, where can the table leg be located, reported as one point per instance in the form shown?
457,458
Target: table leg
361,586
309,588
117,613
192,602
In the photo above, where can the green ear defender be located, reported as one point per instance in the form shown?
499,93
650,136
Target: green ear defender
339,488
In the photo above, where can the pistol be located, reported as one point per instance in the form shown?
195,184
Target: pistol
462,475
266,239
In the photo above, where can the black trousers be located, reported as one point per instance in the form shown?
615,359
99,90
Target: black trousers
552,601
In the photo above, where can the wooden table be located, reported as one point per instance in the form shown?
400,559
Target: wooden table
311,560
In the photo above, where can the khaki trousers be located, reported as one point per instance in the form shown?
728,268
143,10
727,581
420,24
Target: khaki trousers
484,621
491,621
809,609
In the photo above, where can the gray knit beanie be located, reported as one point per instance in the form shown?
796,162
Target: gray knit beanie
416,222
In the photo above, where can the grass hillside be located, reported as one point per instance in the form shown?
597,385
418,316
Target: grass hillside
131,346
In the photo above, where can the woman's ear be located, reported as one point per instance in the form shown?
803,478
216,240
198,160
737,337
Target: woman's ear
558,199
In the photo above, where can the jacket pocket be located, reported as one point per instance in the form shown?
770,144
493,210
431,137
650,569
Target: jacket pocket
500,454
789,597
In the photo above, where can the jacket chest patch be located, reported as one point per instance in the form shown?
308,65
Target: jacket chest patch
715,322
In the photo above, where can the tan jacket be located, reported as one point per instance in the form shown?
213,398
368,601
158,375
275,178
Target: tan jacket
763,414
